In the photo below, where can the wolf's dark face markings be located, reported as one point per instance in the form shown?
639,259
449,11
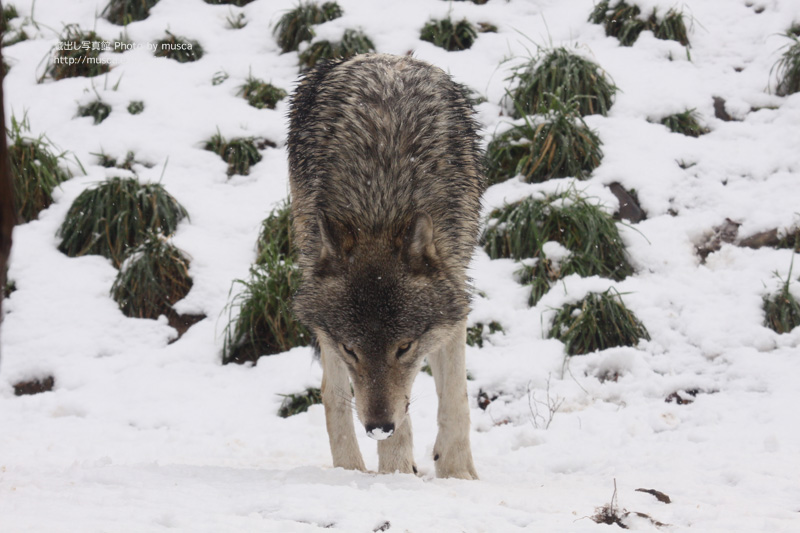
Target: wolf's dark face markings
386,299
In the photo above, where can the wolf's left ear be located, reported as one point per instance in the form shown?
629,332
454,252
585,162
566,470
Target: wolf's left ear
336,240
420,248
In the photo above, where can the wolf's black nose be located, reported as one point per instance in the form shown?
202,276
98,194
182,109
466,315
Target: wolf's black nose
380,432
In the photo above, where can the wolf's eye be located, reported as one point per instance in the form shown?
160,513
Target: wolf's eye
349,351
403,348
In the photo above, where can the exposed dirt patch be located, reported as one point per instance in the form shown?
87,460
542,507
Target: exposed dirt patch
629,208
182,323
34,386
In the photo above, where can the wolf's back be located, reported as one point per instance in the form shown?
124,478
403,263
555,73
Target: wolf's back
374,140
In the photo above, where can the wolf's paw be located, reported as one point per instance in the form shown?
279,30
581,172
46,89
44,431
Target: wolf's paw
458,465
392,465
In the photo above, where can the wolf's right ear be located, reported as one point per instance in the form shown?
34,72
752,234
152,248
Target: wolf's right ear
336,240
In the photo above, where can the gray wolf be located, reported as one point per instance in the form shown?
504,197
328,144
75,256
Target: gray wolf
386,183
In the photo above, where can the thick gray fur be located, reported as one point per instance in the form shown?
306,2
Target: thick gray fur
386,184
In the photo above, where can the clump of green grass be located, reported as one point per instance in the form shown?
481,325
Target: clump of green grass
236,21
152,278
15,36
74,59
178,48
135,107
353,42
452,37
560,145
117,215
685,123
597,322
781,309
240,153
276,234
624,21
9,12
35,170
237,3
790,239
219,78
265,324
260,94
9,287
521,229
294,404
539,276
96,109
9,35
108,161
788,69
296,26
477,333
561,71
123,12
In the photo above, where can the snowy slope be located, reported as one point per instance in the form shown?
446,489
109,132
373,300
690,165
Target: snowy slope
140,435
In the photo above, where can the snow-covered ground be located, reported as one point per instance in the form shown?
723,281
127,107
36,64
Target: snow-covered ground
140,435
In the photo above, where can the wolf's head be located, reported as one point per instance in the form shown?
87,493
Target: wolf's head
381,299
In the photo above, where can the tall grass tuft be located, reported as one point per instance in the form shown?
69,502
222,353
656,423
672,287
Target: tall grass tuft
265,323
123,12
597,322
152,278
685,123
781,310
353,42
35,170
275,237
452,37
178,48
561,71
74,59
788,69
520,230
556,146
294,404
625,22
240,153
296,26
117,215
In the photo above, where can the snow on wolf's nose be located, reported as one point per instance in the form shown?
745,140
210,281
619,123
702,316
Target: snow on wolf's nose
380,432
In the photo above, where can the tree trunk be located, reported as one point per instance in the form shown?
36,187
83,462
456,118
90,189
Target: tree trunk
8,213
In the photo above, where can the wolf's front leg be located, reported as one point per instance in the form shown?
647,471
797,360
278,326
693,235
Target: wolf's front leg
452,452
337,399
396,454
